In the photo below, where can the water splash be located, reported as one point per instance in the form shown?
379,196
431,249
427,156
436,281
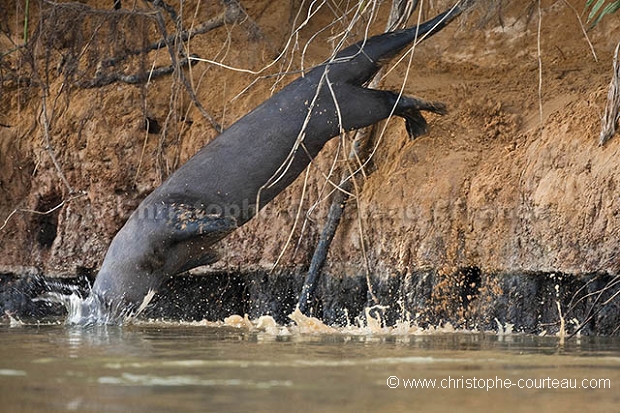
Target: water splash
94,310
307,324
310,326
13,322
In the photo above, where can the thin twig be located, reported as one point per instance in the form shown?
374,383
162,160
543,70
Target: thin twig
8,218
31,211
228,16
574,301
75,6
146,132
48,140
540,70
347,183
593,311
286,164
162,28
583,29
612,110
266,67
295,221
299,143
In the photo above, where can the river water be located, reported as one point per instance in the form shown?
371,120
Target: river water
174,367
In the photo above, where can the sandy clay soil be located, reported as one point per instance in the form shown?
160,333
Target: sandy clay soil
505,210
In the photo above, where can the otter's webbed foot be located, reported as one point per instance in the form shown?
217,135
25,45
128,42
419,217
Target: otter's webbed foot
187,222
409,108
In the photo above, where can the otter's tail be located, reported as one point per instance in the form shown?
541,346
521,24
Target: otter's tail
368,55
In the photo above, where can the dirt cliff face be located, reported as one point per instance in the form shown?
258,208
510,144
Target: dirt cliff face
511,181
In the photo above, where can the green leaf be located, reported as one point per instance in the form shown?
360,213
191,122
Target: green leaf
596,14
595,9
611,8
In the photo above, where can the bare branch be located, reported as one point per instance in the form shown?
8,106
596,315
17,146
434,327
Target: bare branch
104,79
230,15
162,28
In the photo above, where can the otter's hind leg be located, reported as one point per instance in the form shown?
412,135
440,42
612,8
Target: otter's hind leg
409,109
360,107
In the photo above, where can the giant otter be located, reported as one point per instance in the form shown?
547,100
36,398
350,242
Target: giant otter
224,185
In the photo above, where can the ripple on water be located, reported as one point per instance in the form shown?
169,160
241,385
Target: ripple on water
129,379
10,372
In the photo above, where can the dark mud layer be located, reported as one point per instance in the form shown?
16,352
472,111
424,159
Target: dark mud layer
524,302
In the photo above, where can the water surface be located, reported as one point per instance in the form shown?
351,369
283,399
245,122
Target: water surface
178,367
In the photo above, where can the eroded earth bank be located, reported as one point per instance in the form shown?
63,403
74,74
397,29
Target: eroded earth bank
507,212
